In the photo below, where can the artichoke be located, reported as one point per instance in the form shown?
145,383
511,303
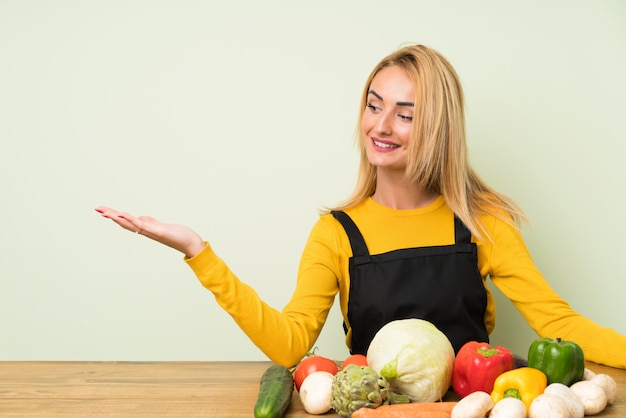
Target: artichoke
358,387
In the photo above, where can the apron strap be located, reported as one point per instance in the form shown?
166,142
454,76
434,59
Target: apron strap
357,242
462,235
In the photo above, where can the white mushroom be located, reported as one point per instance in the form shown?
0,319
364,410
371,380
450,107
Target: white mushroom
316,392
548,405
572,401
508,408
591,395
474,405
609,385
588,374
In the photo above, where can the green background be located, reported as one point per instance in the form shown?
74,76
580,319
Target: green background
236,118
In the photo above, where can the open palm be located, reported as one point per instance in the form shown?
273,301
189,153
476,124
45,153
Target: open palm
179,237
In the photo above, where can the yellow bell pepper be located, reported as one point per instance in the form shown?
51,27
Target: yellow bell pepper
524,383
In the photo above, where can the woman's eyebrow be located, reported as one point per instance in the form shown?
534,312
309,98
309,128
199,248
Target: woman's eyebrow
373,93
379,97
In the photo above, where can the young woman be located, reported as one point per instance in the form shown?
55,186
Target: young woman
418,238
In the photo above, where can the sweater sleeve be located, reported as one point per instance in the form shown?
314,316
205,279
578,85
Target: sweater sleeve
284,337
513,271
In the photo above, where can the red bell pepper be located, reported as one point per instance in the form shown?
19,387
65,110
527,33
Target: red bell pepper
477,365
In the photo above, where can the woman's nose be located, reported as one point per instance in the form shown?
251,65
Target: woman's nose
384,124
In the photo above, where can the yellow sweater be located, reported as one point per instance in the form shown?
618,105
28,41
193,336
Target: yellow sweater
286,336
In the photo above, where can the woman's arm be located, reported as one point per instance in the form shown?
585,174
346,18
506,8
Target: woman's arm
285,337
513,271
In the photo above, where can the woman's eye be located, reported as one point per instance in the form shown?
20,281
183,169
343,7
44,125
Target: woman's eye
372,107
405,118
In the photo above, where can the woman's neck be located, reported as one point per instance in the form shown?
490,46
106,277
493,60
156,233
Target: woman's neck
397,193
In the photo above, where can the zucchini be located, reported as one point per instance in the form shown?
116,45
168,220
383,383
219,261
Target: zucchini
274,393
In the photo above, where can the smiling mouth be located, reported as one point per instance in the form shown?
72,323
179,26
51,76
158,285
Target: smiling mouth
386,145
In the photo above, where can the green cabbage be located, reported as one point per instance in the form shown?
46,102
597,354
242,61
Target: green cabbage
415,357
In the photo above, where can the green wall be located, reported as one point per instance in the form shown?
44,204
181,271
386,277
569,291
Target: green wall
236,118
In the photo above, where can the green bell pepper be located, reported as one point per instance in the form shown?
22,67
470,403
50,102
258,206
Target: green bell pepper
561,361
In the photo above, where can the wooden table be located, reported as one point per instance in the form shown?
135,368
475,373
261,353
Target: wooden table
157,389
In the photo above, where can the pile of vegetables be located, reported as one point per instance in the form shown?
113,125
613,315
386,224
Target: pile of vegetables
554,384
537,399
410,365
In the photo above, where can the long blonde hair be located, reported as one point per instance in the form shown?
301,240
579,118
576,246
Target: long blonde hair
438,159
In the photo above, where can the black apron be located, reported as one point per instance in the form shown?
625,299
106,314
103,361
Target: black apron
440,284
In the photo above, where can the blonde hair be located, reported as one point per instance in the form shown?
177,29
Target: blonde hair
438,159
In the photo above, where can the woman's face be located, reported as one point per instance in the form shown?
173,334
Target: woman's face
387,122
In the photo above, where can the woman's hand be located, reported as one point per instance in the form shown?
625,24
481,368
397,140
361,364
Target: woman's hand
178,237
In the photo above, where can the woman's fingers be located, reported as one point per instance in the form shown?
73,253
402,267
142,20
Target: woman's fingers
144,225
125,220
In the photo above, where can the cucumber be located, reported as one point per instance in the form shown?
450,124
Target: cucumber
274,393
